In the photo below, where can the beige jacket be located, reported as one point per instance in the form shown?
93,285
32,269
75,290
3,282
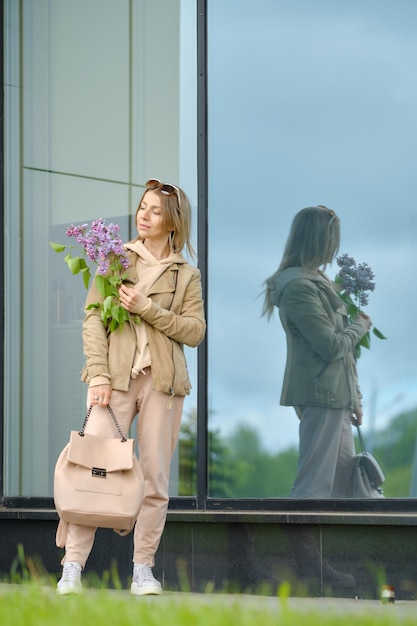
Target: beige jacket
173,314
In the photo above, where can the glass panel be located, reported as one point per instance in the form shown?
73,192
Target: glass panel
309,103
96,110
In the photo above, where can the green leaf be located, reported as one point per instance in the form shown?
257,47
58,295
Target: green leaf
94,305
86,276
378,333
58,247
110,290
74,264
352,310
347,299
101,284
121,314
105,287
114,280
83,264
365,342
107,304
115,313
113,325
105,316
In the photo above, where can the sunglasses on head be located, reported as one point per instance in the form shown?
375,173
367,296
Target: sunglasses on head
332,213
166,188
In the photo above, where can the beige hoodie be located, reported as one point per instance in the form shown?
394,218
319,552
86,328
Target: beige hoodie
148,269
172,315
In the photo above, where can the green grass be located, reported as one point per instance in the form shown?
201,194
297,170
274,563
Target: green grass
28,598
38,605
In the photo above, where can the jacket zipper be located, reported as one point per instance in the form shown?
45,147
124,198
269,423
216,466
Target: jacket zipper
172,389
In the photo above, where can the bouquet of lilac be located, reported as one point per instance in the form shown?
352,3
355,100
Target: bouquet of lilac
354,281
102,245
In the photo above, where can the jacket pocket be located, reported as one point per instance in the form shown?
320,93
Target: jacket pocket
322,392
316,381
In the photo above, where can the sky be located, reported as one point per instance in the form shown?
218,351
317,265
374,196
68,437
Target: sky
309,103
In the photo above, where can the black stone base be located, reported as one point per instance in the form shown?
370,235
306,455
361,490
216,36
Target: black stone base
233,557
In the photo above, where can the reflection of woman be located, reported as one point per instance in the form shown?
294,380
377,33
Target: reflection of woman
141,369
320,379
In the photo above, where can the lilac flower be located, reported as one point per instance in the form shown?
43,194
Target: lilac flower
104,247
101,243
355,280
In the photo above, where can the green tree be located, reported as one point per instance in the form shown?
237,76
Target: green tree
188,455
262,474
222,468
395,448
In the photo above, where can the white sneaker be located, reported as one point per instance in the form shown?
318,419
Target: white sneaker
71,579
143,581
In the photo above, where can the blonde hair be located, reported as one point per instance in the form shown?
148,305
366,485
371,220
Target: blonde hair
313,242
176,209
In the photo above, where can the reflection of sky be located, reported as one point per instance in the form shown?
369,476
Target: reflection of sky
309,103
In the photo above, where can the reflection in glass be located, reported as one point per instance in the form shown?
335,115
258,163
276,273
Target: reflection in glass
321,110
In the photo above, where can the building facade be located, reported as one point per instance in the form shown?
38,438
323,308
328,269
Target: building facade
256,110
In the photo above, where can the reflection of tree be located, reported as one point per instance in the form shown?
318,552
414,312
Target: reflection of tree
261,474
222,468
188,455
240,467
394,448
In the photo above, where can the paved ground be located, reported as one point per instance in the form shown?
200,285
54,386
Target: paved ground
343,606
336,605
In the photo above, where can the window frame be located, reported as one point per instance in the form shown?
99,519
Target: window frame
2,256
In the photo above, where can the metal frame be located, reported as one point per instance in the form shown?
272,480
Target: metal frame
202,180
1,254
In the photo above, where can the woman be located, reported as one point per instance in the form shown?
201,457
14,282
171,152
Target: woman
320,379
141,369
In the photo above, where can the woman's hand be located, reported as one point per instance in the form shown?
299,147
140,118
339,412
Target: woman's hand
128,297
99,395
367,320
357,415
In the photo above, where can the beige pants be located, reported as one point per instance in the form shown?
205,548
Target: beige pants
158,428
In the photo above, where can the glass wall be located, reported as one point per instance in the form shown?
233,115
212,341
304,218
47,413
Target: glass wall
100,96
309,103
